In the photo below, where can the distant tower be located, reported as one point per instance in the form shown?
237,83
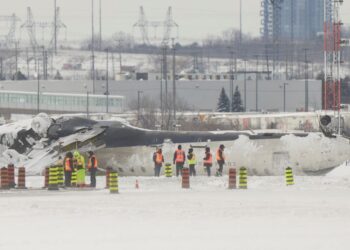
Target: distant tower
52,28
303,18
8,38
332,49
167,25
100,35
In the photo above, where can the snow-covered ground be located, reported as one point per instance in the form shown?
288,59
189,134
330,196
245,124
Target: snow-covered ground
313,214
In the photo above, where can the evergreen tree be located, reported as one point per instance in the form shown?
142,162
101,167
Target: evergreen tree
19,76
224,102
58,76
237,101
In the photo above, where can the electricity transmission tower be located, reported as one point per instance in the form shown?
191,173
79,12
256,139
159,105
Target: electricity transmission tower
167,25
52,28
10,23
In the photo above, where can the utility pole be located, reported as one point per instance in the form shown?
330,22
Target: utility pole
35,59
138,105
1,68
245,83
27,56
165,73
240,24
55,26
161,87
120,54
16,60
231,77
45,76
286,67
87,105
236,72
38,89
256,84
100,37
174,81
284,96
267,62
87,100
92,46
113,67
306,82
107,81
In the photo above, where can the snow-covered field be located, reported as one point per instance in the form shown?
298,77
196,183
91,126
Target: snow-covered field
313,214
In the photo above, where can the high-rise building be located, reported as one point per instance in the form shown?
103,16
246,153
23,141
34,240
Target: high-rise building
291,19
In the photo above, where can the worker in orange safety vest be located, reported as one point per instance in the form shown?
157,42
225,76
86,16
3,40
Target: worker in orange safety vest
92,168
208,161
179,159
68,168
158,160
220,159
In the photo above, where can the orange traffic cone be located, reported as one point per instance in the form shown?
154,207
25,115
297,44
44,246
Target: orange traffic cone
137,184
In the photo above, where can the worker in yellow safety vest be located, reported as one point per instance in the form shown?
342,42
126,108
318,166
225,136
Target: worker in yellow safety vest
92,167
179,159
79,163
208,160
191,159
158,160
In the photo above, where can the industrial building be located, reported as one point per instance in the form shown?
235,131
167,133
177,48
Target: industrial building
196,95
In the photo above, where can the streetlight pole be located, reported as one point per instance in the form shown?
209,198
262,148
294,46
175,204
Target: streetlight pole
165,73
38,89
55,27
92,46
107,81
161,85
174,80
306,82
231,77
284,96
256,84
87,101
138,104
245,84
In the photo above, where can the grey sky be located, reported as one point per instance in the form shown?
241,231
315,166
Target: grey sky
197,18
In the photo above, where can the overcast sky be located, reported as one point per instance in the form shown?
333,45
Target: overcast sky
197,18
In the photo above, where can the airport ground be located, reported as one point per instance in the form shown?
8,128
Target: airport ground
312,214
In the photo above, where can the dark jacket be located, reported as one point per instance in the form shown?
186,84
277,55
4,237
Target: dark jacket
221,157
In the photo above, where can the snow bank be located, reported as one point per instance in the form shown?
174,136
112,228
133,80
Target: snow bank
341,171
314,214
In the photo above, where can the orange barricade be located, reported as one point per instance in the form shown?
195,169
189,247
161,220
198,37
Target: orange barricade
232,178
185,178
11,175
21,178
4,184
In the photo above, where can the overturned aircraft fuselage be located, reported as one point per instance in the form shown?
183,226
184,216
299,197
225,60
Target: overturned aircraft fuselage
129,149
